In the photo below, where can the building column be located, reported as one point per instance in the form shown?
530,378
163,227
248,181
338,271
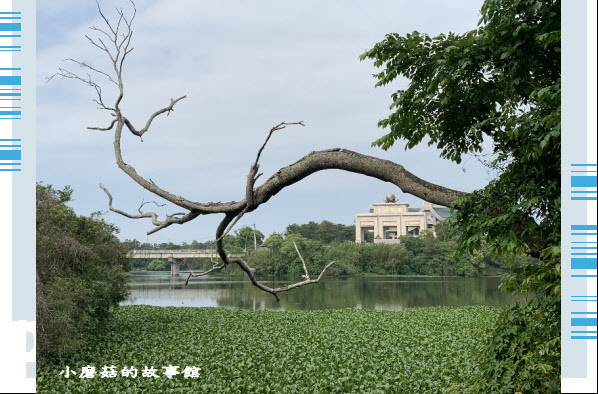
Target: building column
358,232
378,230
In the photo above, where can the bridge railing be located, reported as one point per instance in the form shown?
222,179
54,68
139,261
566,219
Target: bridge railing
167,251
208,252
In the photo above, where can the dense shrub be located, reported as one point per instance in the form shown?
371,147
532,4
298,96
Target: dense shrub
523,353
79,273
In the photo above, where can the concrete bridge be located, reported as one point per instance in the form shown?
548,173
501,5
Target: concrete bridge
174,257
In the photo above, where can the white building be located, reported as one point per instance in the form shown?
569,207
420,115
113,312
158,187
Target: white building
391,220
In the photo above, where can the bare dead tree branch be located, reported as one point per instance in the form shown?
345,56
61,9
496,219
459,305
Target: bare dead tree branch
104,17
166,109
215,267
150,202
239,216
104,128
275,291
63,73
251,271
85,65
337,158
160,224
103,47
306,276
278,127
253,175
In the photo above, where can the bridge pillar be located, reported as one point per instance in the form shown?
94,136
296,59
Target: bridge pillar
174,266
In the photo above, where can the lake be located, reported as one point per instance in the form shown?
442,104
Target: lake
237,292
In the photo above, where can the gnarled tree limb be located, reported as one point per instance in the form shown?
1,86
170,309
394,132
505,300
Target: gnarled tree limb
160,224
340,159
166,109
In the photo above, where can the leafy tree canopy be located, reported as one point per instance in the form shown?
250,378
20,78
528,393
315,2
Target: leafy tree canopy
498,85
80,273
244,237
156,265
326,232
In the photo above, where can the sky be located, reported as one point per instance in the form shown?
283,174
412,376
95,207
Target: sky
244,66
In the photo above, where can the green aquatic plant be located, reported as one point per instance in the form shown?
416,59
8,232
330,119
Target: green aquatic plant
339,350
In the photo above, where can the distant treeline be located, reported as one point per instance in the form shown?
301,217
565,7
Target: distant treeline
243,238
423,255
321,243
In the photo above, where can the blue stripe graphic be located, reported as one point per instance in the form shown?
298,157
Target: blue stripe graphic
10,154
10,80
583,321
10,27
584,181
584,227
583,264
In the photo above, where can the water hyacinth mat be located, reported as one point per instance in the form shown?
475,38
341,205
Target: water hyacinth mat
217,349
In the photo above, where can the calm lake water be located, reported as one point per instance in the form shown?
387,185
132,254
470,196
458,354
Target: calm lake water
236,292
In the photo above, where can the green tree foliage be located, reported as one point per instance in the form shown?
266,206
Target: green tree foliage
273,242
156,265
326,232
499,84
80,273
423,255
246,237
524,353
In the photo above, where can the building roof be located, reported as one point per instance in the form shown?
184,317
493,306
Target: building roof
438,211
442,211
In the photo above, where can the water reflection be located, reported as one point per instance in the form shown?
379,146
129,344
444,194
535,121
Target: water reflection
395,293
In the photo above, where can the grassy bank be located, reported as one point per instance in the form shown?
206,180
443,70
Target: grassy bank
416,350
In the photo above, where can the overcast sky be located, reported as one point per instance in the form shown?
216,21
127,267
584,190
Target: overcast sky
245,66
